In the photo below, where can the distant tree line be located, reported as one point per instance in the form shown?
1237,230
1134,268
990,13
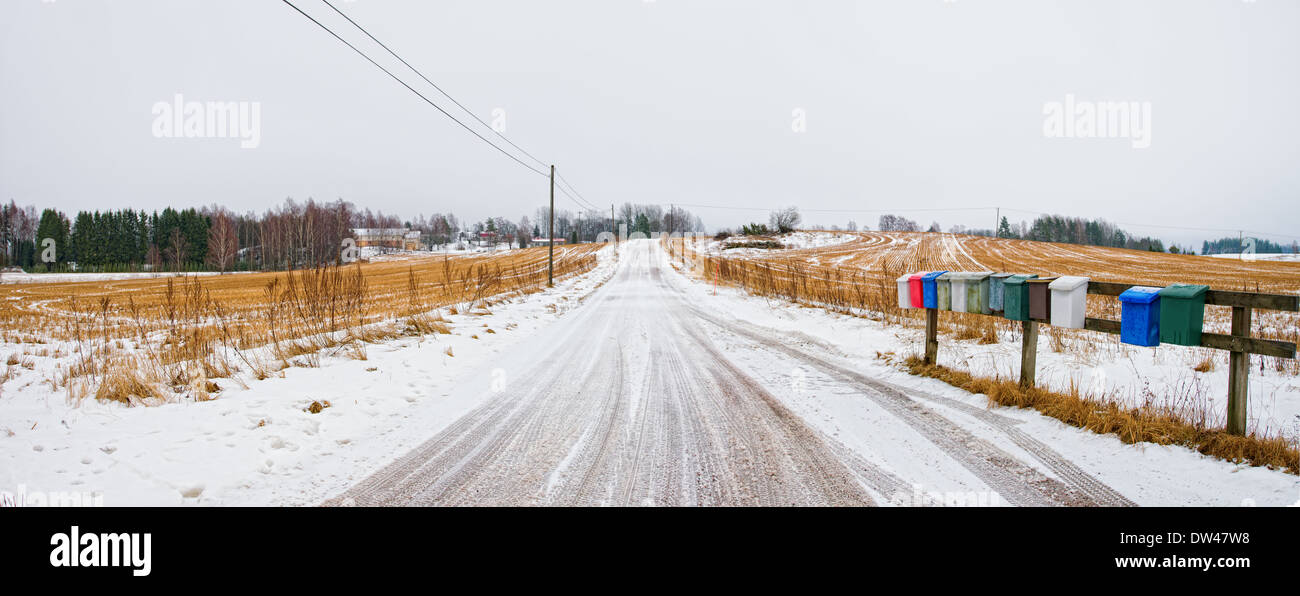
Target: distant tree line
1075,230
897,223
18,235
1046,228
287,236
580,226
1234,246
290,235
648,219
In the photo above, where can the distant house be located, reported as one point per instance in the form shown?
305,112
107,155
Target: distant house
390,238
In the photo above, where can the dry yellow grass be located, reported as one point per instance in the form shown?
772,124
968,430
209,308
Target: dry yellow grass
143,340
859,276
1131,425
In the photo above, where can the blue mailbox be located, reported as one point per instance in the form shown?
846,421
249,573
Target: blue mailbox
929,283
1140,318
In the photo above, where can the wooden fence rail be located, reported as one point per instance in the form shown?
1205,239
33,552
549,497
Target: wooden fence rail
1238,343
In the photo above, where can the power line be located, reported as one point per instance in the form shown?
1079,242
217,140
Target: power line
571,198
579,200
583,199
435,86
412,89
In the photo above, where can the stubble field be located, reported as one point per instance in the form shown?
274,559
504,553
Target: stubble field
149,341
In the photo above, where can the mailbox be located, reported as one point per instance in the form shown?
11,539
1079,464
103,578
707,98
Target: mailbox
905,291
1069,301
977,292
1015,297
1182,314
1040,299
959,281
929,287
995,290
915,291
1140,316
943,289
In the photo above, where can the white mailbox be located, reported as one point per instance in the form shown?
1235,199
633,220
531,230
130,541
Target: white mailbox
1069,301
905,291
959,281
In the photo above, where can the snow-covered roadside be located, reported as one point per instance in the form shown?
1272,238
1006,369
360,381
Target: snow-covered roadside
261,445
1148,474
1101,366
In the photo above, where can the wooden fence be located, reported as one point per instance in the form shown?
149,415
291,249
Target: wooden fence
1238,343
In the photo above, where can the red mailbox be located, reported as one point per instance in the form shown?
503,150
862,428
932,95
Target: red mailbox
916,290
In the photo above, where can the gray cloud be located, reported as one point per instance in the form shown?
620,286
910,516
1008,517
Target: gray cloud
908,105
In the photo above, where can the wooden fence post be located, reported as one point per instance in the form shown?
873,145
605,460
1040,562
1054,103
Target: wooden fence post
1028,353
931,335
1238,373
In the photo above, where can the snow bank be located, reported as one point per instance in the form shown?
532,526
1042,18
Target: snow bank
260,444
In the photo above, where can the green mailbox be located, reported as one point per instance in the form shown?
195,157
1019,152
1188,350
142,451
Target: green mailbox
943,290
1182,314
1015,297
977,293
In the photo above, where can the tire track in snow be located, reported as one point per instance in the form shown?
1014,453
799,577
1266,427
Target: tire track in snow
600,425
1081,487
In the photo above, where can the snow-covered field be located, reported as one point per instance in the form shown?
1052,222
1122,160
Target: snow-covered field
36,278
1146,473
368,253
1272,256
261,445
799,240
1098,364
379,255
791,241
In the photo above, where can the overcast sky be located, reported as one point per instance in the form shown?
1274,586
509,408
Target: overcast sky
909,105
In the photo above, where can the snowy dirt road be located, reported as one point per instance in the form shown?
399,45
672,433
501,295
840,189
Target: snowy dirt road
635,398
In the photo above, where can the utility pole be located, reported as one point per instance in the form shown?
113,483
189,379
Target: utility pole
550,237
997,223
613,225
